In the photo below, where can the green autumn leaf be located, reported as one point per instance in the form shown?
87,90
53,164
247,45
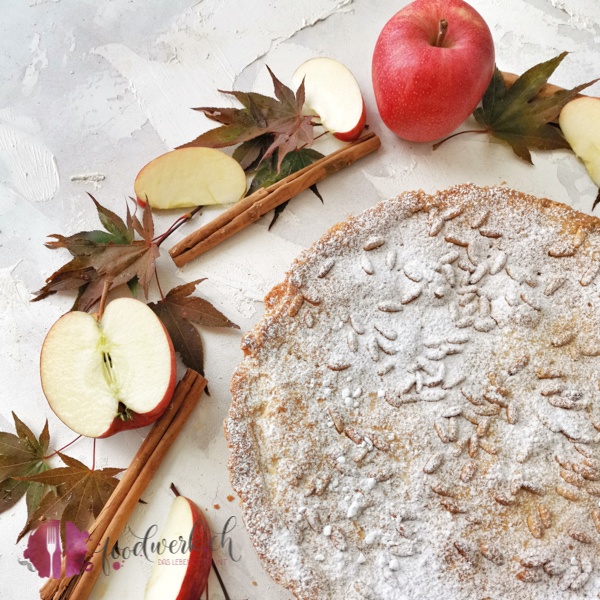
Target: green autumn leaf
250,153
85,243
267,174
517,116
22,455
80,492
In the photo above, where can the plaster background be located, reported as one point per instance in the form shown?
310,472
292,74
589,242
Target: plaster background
93,90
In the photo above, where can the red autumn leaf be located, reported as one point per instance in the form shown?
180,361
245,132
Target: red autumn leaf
180,313
279,119
112,256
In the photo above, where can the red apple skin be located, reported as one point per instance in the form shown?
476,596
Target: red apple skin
424,92
200,557
353,134
141,420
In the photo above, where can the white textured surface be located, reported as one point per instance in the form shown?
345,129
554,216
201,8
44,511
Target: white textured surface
96,90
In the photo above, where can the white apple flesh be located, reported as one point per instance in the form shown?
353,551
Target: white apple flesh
332,93
101,376
182,566
190,177
432,63
579,121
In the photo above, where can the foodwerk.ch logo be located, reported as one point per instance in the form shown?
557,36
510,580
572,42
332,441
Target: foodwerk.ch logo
44,552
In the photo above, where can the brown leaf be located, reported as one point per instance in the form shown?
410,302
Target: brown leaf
225,116
227,135
81,490
185,337
179,311
11,491
73,275
119,264
520,118
193,308
27,435
15,455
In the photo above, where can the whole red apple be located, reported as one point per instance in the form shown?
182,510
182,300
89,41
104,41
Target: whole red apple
432,63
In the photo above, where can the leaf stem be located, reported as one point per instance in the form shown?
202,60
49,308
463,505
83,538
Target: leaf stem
178,223
227,597
596,201
61,449
105,289
442,30
162,296
436,146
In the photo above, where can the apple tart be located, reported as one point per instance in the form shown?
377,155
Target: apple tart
418,415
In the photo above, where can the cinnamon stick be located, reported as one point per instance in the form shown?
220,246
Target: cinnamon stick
112,519
258,204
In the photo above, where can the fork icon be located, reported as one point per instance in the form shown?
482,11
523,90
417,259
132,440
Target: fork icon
51,545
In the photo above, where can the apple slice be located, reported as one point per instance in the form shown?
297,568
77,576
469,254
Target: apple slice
580,124
190,177
101,376
333,94
183,561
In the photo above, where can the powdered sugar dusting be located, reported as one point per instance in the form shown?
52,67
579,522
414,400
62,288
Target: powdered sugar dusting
432,428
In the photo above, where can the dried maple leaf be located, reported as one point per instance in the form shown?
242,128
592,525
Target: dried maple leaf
80,494
22,455
112,256
521,119
271,124
179,313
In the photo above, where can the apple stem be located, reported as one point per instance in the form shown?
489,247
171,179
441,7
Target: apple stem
442,29
60,449
436,146
178,223
175,490
94,455
227,597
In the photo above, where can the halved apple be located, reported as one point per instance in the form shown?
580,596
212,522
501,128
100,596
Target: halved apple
190,177
183,560
332,93
580,124
101,376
